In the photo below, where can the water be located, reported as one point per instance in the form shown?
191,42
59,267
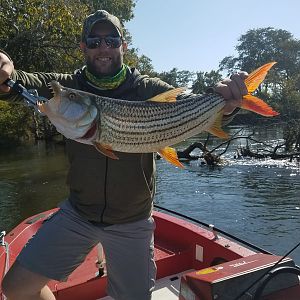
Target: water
256,200
31,180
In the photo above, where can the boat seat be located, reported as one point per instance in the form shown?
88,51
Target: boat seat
172,258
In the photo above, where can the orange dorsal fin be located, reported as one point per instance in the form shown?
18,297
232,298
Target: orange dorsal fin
216,129
168,96
258,106
105,150
170,155
257,77
252,82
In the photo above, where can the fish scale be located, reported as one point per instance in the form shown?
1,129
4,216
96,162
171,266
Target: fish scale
147,127
144,126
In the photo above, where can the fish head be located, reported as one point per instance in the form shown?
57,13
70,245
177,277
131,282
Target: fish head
72,112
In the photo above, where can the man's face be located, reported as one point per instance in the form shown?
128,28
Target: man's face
103,60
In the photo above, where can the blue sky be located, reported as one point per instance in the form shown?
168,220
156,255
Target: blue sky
196,35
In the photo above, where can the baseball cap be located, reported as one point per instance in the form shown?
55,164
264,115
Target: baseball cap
100,16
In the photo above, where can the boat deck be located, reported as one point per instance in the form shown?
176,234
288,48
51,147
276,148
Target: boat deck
166,288
180,248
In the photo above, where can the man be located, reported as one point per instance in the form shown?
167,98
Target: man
110,201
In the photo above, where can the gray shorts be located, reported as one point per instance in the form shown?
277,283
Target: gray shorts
64,241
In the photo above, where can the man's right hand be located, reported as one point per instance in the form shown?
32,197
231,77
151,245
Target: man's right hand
6,69
232,89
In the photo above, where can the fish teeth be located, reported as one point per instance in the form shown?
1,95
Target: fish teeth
50,88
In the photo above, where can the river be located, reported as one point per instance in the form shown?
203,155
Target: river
256,200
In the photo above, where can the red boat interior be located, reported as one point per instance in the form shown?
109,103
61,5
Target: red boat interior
180,246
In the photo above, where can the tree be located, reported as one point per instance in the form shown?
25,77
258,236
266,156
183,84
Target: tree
177,78
142,63
205,80
44,35
259,46
121,8
145,66
282,85
11,123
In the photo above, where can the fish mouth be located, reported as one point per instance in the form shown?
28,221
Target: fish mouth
91,132
56,88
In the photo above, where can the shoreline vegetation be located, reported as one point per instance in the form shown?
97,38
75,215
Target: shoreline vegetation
52,46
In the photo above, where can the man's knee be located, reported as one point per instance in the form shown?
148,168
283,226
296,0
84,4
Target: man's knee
19,280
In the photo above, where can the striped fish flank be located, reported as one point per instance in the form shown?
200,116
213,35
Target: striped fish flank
144,126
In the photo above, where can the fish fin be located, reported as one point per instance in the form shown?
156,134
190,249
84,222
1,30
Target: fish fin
258,106
170,155
105,150
216,129
256,77
252,82
168,96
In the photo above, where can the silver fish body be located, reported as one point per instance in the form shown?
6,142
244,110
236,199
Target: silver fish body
142,127
130,126
146,126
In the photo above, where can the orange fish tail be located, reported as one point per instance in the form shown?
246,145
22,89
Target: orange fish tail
258,106
252,82
257,77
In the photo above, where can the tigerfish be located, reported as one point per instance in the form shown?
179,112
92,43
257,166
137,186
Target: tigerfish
144,126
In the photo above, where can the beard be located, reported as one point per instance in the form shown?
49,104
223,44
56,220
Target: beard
99,69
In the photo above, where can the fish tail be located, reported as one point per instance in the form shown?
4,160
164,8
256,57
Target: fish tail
252,82
258,106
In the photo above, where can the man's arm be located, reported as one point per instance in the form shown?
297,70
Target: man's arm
38,80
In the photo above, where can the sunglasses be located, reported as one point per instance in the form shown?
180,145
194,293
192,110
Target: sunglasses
110,41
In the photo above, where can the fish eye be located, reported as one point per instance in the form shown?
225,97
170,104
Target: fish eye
72,96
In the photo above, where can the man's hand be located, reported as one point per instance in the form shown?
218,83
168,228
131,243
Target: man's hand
232,89
6,69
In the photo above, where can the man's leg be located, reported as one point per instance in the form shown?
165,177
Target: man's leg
129,252
22,284
54,252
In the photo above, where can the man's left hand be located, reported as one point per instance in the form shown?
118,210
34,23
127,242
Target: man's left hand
232,89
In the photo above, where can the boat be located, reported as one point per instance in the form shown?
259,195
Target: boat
194,262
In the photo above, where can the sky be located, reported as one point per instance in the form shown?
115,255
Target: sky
195,35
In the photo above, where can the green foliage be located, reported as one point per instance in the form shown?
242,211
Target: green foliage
205,80
287,98
142,63
43,35
121,8
177,78
291,135
13,120
145,66
259,46
281,88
